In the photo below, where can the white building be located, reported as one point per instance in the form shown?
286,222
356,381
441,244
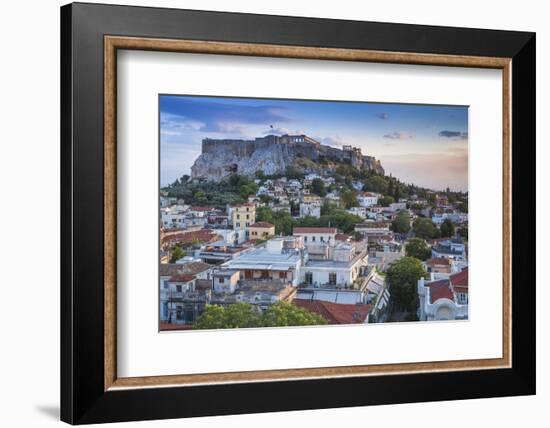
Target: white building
444,299
315,235
273,263
367,199
342,268
358,211
312,209
225,280
453,249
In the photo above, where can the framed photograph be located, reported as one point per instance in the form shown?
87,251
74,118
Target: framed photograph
266,213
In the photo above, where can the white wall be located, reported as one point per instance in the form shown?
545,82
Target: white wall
29,85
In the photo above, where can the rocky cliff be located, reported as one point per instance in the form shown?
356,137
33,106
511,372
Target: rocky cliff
272,155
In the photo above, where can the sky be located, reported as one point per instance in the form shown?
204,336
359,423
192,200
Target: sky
426,145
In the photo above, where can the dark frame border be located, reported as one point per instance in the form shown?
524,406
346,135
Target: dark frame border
83,400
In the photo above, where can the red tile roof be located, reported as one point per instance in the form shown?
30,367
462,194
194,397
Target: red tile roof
314,230
164,326
262,224
182,277
460,280
342,237
336,313
440,290
202,235
202,209
438,261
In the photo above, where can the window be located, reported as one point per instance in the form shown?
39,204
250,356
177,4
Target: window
332,278
221,280
322,239
238,216
313,239
248,217
238,224
305,238
309,278
178,288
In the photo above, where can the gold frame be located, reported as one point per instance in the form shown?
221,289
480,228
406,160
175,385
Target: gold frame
113,43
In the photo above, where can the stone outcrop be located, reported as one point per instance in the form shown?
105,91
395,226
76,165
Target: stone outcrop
272,155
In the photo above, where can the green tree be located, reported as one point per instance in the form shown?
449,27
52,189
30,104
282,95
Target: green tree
424,228
283,314
403,276
177,253
376,183
245,315
385,201
237,315
447,228
318,187
417,248
402,222
349,199
200,196
248,189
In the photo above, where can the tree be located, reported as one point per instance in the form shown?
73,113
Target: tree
447,228
245,315
403,276
424,228
376,183
283,314
418,248
318,187
385,201
248,189
177,253
349,199
402,222
200,196
237,315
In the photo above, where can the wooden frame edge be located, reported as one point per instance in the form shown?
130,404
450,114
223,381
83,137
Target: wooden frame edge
112,43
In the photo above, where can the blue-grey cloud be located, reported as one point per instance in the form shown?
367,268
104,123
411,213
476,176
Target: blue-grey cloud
277,130
453,134
220,117
382,116
399,135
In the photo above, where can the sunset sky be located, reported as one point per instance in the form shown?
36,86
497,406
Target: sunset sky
422,144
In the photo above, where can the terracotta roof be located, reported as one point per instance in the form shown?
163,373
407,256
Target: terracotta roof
202,235
182,277
342,237
244,204
169,269
314,230
166,326
202,208
438,261
460,279
440,290
336,313
194,268
262,224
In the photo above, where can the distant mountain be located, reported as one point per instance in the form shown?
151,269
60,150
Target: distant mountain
272,154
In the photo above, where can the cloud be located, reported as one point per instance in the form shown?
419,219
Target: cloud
281,131
382,116
399,136
455,135
332,141
214,115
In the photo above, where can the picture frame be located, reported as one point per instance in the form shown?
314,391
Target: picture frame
91,35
